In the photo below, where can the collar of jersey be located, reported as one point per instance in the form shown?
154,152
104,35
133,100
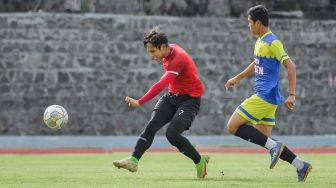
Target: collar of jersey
269,32
171,53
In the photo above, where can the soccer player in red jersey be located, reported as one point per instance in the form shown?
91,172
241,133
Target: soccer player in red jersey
178,107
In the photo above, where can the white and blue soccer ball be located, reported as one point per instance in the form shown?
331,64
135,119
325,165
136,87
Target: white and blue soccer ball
55,117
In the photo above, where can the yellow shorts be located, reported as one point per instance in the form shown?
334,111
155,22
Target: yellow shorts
257,111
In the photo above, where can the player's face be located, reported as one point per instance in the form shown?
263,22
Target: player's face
155,53
252,25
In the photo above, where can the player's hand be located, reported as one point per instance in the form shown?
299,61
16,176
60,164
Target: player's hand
231,83
131,102
290,102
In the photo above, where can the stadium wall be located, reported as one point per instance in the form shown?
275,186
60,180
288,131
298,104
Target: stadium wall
311,9
88,63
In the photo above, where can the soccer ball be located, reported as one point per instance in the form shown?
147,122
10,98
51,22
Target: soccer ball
55,117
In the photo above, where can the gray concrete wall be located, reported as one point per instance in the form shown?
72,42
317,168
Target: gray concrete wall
312,9
88,63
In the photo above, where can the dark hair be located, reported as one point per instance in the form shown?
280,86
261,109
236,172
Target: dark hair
260,13
155,37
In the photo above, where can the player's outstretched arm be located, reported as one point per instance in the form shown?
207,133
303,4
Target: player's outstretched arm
153,91
235,80
291,71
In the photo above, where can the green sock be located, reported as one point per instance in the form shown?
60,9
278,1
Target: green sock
200,162
134,159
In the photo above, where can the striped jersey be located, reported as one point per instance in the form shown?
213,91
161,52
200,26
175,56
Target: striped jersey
269,54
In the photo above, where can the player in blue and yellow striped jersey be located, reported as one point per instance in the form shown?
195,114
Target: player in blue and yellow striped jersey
259,110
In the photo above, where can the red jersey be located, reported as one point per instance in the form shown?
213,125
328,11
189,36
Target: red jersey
181,76
187,81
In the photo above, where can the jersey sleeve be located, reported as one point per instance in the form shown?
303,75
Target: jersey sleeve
175,66
278,51
157,87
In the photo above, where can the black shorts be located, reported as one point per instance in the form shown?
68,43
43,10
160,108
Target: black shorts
181,108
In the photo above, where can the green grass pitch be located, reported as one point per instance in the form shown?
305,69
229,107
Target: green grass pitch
160,170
